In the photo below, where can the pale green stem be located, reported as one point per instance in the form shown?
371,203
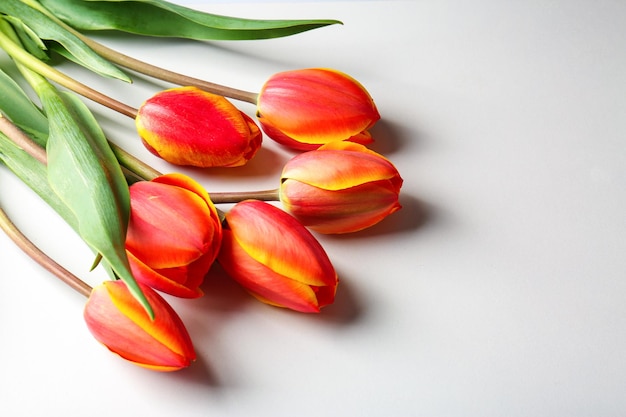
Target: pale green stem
166,75
40,257
238,196
149,69
22,140
29,61
134,165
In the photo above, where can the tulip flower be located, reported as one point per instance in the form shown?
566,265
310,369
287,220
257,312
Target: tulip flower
341,187
306,108
276,259
189,126
174,234
119,322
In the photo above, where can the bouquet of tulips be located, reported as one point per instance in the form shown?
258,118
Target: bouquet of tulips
155,232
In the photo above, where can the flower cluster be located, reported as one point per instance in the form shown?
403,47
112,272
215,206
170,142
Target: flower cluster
171,229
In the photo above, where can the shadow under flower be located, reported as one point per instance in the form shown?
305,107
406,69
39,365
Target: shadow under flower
413,215
204,317
389,137
346,310
267,163
200,372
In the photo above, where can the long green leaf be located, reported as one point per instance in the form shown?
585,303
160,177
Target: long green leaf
19,108
84,173
34,174
47,29
161,18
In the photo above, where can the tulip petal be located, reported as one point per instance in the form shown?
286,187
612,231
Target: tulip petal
166,324
176,284
340,169
316,105
109,315
189,126
339,211
156,210
186,182
278,241
262,282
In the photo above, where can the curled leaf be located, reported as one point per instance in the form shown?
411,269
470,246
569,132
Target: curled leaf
84,173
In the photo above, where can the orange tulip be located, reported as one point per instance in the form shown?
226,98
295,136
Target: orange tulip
341,187
174,234
306,108
189,126
119,322
276,259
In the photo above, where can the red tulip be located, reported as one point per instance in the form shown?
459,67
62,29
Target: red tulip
340,188
119,322
189,126
306,108
174,234
276,259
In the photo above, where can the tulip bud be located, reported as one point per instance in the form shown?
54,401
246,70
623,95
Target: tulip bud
306,108
119,322
174,234
276,259
340,188
189,126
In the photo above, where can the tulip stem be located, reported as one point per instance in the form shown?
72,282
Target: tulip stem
167,75
238,196
40,257
22,140
139,168
149,69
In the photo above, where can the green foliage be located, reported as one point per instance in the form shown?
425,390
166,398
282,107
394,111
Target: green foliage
32,26
83,180
19,108
34,175
161,18
85,174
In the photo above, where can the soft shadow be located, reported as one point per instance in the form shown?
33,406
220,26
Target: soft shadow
204,318
198,373
390,137
413,215
222,295
346,310
265,163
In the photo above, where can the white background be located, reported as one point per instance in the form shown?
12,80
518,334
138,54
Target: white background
498,290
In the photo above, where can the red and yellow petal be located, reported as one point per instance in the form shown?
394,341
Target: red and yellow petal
119,322
166,328
264,283
278,241
340,169
156,210
316,105
167,281
189,126
341,211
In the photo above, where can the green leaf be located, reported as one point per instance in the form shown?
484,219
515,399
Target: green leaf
19,108
34,174
83,172
29,39
161,18
46,28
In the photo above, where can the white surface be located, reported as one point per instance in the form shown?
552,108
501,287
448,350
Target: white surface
506,298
